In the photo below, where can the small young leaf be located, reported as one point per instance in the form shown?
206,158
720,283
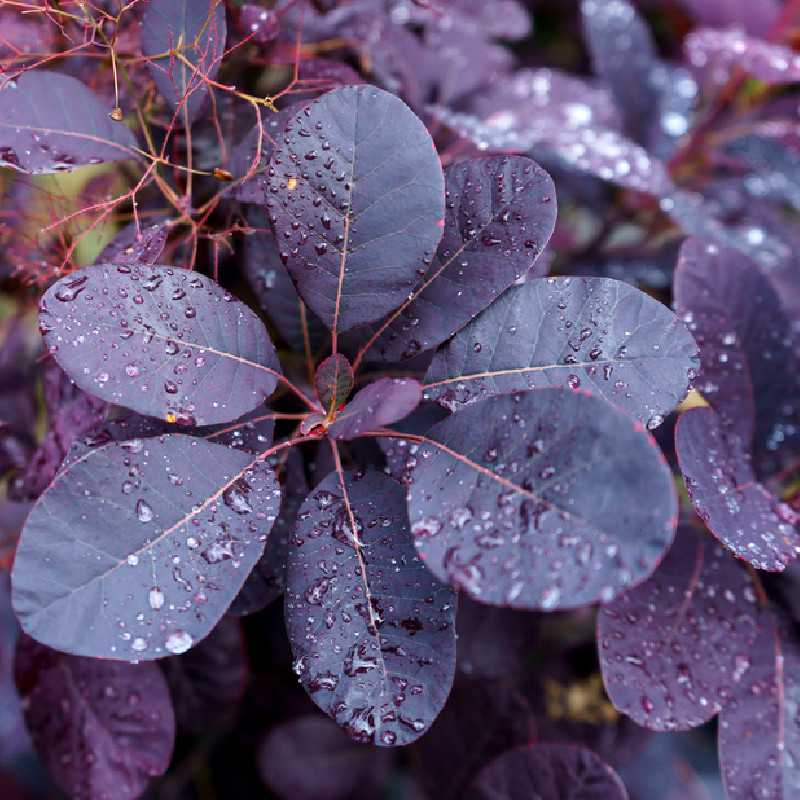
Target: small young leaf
189,522
53,123
381,403
739,511
533,500
674,648
372,632
357,200
594,333
196,30
500,212
102,728
162,341
548,772
334,381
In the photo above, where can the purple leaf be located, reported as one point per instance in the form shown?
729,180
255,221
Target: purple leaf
381,403
533,500
548,772
208,682
739,511
672,648
755,16
132,246
499,215
190,520
102,728
333,382
309,758
197,30
504,19
53,123
357,227
759,731
595,333
719,52
162,341
372,632
266,582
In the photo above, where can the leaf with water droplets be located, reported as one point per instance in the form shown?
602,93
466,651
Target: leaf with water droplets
755,16
672,648
189,522
162,341
759,729
380,403
356,195
334,382
53,123
372,632
194,28
499,214
534,500
102,728
133,245
548,772
743,514
597,334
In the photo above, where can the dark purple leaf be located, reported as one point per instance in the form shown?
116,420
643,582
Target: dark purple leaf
266,582
53,123
504,19
533,500
136,246
102,728
309,758
381,403
261,24
674,648
372,632
357,202
189,522
333,382
548,772
748,357
499,215
719,52
208,682
755,16
759,730
162,341
14,737
738,510
196,29
594,333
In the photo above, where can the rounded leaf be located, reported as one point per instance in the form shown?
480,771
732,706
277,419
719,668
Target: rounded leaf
545,499
333,381
162,341
380,403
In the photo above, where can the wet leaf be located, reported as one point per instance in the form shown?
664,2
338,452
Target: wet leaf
755,16
673,649
334,381
53,123
548,772
759,732
162,341
499,215
372,632
102,728
380,403
190,521
744,515
533,500
597,334
357,201
196,30
133,246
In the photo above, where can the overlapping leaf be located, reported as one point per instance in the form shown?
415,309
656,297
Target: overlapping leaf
162,341
594,333
372,632
333,381
102,728
755,16
189,522
357,200
533,500
175,32
674,648
381,403
133,245
53,123
499,215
